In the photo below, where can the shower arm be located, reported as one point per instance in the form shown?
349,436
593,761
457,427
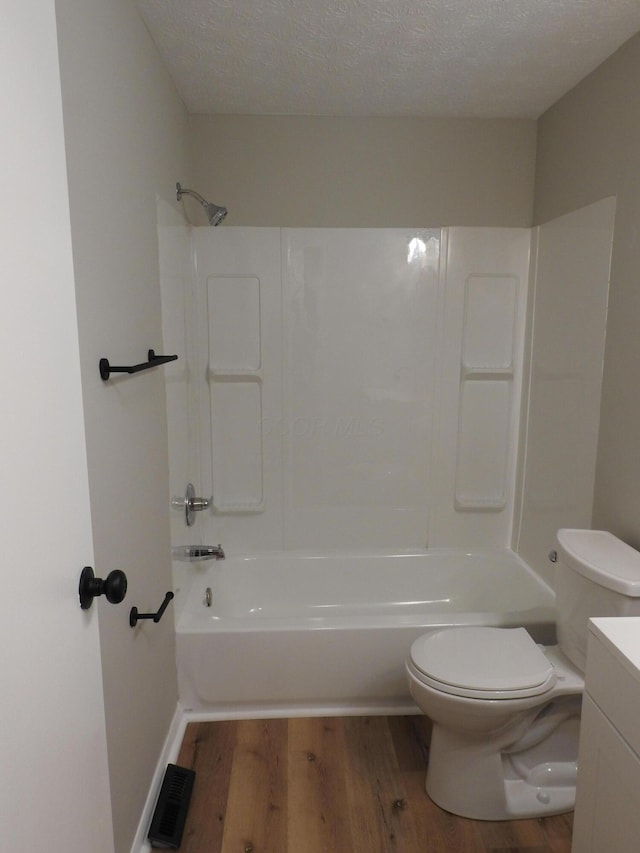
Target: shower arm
215,213
180,191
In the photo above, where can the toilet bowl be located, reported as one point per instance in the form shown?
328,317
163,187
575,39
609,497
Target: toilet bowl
505,711
506,722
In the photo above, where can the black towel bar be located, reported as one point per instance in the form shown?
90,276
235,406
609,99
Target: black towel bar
134,616
154,360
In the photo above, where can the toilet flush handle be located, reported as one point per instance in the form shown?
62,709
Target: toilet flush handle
553,556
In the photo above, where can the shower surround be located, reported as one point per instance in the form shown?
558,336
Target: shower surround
359,388
351,398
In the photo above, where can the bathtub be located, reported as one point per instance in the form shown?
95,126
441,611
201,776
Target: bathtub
286,634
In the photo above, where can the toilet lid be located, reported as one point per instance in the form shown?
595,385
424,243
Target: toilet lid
483,661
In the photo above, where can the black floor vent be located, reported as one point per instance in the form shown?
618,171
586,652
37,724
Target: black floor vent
167,824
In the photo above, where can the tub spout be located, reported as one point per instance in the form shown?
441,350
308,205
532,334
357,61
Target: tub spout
194,553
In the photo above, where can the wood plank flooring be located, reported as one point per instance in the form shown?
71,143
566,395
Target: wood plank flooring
339,784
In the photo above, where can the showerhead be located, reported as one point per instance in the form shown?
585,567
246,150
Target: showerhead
215,213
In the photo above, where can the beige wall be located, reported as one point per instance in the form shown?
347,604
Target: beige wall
588,148
126,141
365,172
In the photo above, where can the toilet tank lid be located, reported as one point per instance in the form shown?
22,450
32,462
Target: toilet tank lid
602,558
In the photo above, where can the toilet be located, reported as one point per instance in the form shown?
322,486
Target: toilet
506,711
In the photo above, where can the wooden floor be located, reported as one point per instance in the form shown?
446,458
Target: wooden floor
339,784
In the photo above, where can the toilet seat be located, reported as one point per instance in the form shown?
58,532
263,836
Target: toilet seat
482,663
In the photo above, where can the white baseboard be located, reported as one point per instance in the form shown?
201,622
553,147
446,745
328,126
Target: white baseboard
168,755
270,711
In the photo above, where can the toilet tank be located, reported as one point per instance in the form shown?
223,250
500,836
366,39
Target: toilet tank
596,575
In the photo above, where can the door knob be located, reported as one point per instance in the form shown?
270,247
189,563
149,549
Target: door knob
114,587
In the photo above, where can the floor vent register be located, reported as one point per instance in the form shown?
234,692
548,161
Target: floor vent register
167,824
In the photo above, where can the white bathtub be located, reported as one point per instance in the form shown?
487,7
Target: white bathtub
329,634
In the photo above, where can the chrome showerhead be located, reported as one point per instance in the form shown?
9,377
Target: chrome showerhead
215,213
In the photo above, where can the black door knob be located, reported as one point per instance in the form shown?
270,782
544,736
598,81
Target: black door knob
114,587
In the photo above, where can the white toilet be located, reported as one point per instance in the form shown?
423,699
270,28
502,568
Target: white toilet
506,711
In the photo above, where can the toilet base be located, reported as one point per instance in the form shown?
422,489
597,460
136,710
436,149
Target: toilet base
472,778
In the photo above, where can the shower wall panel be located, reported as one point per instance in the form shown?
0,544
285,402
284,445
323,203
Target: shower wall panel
235,378
486,376
239,370
571,288
485,271
359,327
355,391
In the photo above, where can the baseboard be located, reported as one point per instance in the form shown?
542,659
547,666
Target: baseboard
168,755
268,711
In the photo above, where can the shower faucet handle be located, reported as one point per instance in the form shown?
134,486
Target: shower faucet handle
193,504
198,504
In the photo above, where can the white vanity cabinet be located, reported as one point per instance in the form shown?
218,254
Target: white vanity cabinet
607,815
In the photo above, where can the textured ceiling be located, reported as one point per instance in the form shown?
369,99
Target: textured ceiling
488,58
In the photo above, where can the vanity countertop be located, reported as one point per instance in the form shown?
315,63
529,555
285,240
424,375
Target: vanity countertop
613,673
621,635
